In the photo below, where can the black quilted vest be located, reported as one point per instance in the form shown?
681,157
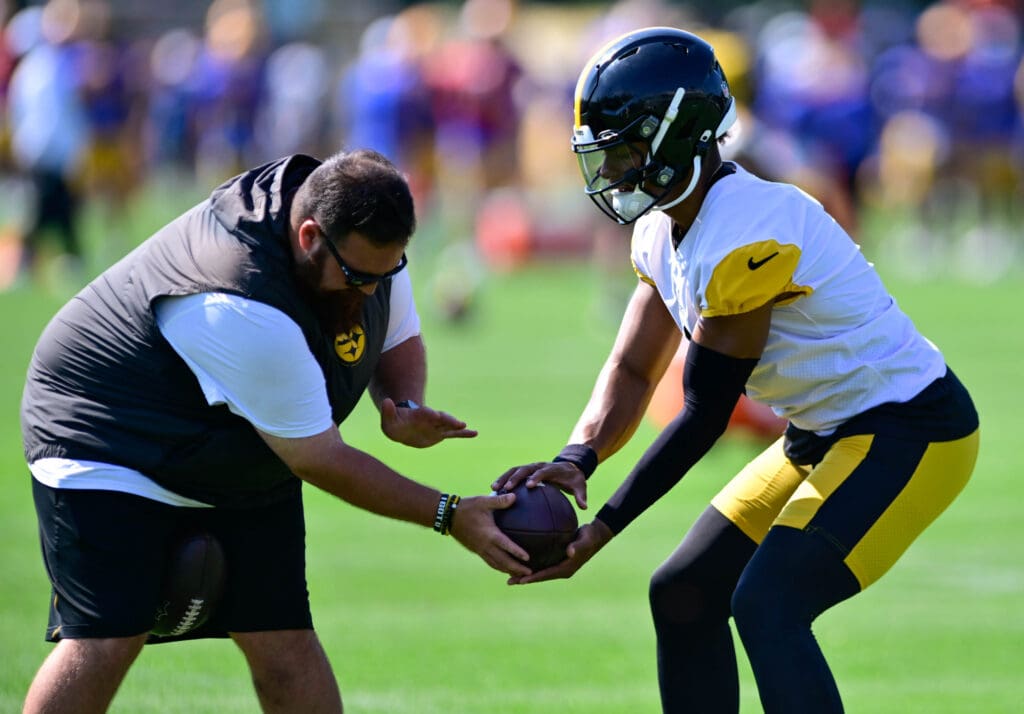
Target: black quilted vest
104,385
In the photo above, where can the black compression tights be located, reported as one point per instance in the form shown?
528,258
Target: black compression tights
775,592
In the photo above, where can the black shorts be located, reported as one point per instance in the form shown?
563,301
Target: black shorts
104,555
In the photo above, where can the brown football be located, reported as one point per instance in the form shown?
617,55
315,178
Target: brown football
193,584
542,521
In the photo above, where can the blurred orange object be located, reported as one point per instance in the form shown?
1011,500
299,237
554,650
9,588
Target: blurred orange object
503,230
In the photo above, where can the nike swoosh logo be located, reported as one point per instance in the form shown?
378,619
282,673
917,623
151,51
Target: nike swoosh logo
755,264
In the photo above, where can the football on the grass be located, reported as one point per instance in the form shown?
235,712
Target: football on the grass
193,584
542,521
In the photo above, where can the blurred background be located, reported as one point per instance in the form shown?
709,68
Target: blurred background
903,118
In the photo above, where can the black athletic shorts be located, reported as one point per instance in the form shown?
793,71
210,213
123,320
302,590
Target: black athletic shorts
104,554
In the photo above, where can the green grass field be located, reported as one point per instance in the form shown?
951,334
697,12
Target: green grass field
414,624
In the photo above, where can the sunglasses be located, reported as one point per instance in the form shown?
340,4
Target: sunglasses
357,278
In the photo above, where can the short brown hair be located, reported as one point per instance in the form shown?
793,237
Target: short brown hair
360,191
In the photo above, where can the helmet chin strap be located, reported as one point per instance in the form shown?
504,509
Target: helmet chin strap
728,119
637,202
689,189
630,206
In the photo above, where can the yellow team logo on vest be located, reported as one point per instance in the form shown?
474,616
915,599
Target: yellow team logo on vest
350,345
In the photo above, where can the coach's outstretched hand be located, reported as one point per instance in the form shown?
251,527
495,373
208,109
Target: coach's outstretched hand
473,526
420,426
590,538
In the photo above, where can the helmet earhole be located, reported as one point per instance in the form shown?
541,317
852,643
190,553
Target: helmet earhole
706,135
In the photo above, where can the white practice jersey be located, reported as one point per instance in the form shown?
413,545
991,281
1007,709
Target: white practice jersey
838,343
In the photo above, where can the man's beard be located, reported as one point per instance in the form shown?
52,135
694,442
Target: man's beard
338,311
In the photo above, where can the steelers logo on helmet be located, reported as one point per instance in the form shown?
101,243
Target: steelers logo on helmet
350,345
648,106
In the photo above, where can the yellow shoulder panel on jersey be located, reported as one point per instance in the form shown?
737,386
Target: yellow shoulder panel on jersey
640,275
751,276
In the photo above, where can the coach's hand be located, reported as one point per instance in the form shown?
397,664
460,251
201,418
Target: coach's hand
473,526
420,426
564,475
590,538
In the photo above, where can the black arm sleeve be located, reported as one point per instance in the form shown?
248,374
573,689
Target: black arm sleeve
712,384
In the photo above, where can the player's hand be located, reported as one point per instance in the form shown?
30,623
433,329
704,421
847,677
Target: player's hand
590,538
562,474
473,526
420,426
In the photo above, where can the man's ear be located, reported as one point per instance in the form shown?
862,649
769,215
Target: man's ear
307,233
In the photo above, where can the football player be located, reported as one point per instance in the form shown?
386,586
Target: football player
779,303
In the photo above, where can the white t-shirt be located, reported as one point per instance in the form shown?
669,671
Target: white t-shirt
838,343
248,356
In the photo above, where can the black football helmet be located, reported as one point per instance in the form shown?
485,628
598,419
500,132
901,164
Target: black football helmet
648,106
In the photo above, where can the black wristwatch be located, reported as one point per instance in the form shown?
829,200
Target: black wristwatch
407,404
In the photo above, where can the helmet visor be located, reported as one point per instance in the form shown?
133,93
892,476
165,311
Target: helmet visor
614,171
606,161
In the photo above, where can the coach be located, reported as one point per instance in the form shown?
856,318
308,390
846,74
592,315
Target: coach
199,382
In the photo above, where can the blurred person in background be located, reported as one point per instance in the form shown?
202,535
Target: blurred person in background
973,207
8,52
813,81
292,117
198,383
228,87
811,101
113,94
473,78
13,44
382,101
169,132
49,127
12,186
777,302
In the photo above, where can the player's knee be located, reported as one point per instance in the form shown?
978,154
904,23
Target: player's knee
281,680
793,578
288,667
765,608
753,608
274,683
678,600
